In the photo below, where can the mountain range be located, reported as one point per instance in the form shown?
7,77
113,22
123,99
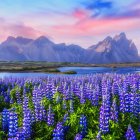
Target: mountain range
110,50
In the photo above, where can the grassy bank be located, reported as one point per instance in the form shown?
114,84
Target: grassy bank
10,66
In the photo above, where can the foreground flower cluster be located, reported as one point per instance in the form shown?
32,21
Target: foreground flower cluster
100,107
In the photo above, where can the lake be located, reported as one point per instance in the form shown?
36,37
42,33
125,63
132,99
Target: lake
93,70
79,70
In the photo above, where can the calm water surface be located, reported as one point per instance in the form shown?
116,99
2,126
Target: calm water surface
79,70
93,70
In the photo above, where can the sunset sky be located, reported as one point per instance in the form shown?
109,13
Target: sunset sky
82,22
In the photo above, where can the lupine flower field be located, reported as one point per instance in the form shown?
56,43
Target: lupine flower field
89,107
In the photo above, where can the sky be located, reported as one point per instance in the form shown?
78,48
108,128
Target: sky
82,22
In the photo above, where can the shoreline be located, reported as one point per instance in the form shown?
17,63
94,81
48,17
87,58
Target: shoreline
48,67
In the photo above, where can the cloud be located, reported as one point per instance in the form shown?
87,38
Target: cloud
16,29
130,14
97,7
96,27
99,4
80,13
113,9
90,31
21,29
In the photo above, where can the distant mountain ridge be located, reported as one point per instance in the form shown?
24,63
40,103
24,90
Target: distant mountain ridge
110,50
117,49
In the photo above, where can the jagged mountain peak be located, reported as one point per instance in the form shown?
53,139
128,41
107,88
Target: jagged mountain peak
109,42
43,39
23,40
17,40
110,50
102,46
117,49
73,45
10,38
121,36
108,39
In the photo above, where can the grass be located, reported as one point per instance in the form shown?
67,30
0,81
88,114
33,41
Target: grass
52,67
69,72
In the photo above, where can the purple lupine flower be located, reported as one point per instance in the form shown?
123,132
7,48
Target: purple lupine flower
126,84
139,128
38,113
66,117
20,135
127,107
14,138
115,88
130,134
69,94
66,129
64,104
5,119
83,125
13,124
71,106
7,98
78,137
44,113
25,103
95,97
24,91
98,137
114,111
50,116
134,85
50,90
58,133
19,101
104,115
82,97
33,117
27,123
131,102
11,101
58,98
122,101
137,104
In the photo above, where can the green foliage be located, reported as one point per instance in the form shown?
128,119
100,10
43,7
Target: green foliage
45,102
74,125
3,104
2,135
57,97
52,70
19,111
29,86
13,92
41,131
70,72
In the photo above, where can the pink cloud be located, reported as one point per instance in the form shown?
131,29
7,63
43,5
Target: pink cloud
73,26
19,29
80,13
97,26
83,26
